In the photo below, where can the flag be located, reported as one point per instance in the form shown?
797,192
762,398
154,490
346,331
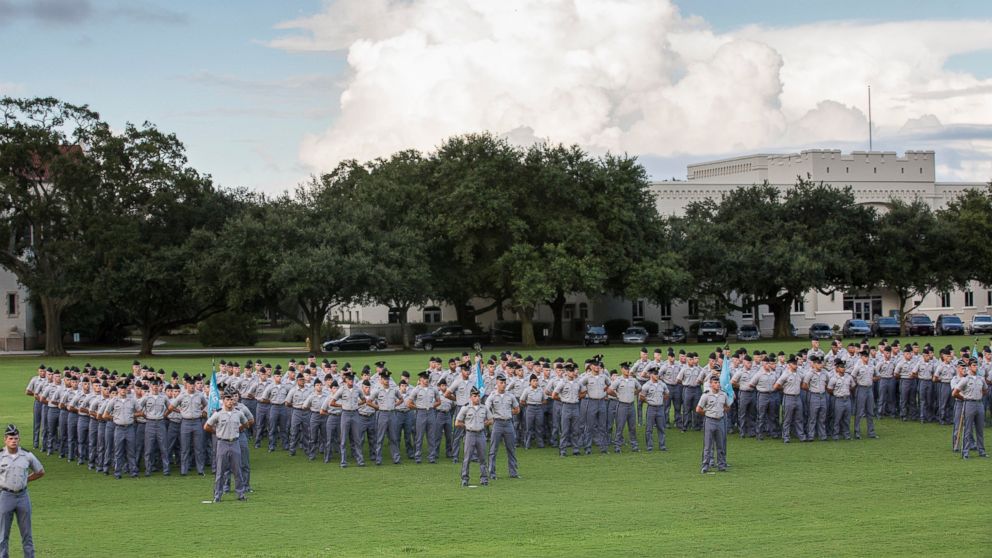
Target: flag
725,380
478,378
974,350
213,402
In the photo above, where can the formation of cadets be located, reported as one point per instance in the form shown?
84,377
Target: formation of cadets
117,423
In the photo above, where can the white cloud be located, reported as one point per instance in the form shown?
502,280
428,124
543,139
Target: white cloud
11,89
633,76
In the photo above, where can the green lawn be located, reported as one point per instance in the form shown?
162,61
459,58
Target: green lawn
903,494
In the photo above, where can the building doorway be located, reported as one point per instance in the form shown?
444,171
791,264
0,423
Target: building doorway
863,307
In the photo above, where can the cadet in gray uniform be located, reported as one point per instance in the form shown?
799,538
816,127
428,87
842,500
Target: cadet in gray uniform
863,374
655,395
944,375
764,383
192,407
332,427
625,388
316,425
18,467
594,386
533,402
887,394
790,383
840,386
747,400
971,389
422,399
153,407
227,424
348,398
276,394
712,406
34,390
473,419
459,392
502,406
384,399
442,425
569,393
905,372
122,412
924,375
815,383
300,417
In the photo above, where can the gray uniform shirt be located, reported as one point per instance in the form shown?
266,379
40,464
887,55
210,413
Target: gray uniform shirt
153,406
190,405
713,404
462,389
226,424
841,385
385,398
568,391
595,385
315,401
863,374
349,398
924,369
422,397
626,389
533,396
501,405
971,387
791,382
816,382
474,417
16,467
122,411
297,396
654,392
764,381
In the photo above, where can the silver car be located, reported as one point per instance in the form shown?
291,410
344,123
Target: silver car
748,332
980,324
635,336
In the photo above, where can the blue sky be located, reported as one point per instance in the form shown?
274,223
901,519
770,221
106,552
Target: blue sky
259,114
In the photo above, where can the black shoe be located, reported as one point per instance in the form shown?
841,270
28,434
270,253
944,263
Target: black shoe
464,483
216,500
243,498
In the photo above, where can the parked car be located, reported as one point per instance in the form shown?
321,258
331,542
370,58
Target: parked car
356,342
919,324
595,335
748,332
635,336
980,323
451,336
949,324
855,328
711,330
883,326
820,331
676,334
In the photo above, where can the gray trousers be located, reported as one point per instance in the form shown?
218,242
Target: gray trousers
298,429
907,399
475,445
714,439
569,432
533,425
747,411
95,442
943,403
386,426
887,397
108,445
842,417
792,418
18,504
125,448
70,429
63,432
261,422
423,431
555,422
172,441
351,433
625,417
82,439
766,414
974,427
816,424
864,408
957,424
926,400
36,423
595,421
278,426
457,435
502,431
315,433
676,403
690,396
227,461
51,443
191,447
156,440
404,430
656,420
332,433
440,424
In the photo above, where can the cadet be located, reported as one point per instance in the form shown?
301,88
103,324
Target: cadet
656,396
712,405
790,383
747,401
332,414
18,467
625,389
764,383
924,375
840,386
533,402
473,419
594,385
864,376
502,406
944,375
441,427
227,424
815,383
348,398
34,390
970,390
384,399
276,395
122,411
299,433
906,374
404,418
569,393
316,425
887,393
459,392
153,407
192,407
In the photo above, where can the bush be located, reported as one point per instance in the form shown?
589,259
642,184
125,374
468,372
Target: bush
227,329
615,328
296,332
652,327
694,329
731,326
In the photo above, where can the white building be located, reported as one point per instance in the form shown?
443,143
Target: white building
17,330
876,177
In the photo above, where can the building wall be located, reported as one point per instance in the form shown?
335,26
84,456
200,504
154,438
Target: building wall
17,330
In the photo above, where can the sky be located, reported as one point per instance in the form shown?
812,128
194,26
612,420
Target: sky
264,94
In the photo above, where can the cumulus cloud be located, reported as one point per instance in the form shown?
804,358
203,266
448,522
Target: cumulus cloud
629,75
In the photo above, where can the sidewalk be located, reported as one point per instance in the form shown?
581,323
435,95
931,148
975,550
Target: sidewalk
129,351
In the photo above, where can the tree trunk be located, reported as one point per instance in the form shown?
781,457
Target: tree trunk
557,309
527,327
404,327
148,338
464,317
315,340
782,310
499,309
52,309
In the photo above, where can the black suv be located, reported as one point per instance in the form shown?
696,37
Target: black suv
919,324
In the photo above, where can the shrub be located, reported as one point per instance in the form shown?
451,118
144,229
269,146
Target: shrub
296,332
228,329
652,327
615,328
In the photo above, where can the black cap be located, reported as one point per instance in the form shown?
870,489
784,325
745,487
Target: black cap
840,362
500,378
443,382
423,374
475,391
334,383
366,383
11,431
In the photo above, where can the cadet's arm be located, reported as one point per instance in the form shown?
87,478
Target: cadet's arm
459,424
449,395
700,410
35,476
208,428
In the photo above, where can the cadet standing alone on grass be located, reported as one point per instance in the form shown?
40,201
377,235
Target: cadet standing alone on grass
473,419
18,467
712,406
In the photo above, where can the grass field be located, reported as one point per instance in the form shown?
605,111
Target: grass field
903,494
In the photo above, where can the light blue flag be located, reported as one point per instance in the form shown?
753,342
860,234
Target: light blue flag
725,379
974,350
478,379
213,402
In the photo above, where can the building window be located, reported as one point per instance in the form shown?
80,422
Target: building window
902,170
799,305
432,315
637,310
394,315
568,312
988,296
666,310
945,299
11,305
693,308
583,311
847,170
748,308
969,298
828,170
875,170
